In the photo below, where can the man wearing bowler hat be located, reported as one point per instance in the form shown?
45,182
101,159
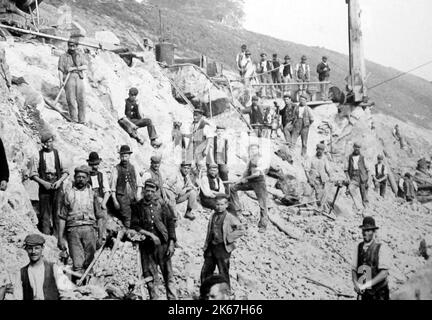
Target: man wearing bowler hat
154,219
39,279
371,264
98,181
357,173
126,185
82,219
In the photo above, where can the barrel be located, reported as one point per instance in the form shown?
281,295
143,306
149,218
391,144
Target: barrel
165,52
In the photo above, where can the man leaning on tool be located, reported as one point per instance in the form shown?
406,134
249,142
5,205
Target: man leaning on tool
82,218
371,264
155,219
71,67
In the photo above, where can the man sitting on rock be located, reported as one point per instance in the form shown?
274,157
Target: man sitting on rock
211,184
40,279
49,172
81,216
133,114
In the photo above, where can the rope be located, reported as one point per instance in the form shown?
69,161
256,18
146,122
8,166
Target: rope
400,75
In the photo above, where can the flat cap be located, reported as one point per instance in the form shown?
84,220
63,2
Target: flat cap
320,146
263,54
304,57
133,91
151,183
213,166
220,126
287,57
198,111
255,98
357,145
221,195
186,163
274,54
303,97
157,158
34,240
84,169
324,58
46,135
380,157
287,95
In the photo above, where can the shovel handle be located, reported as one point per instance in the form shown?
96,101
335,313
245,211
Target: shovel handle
62,87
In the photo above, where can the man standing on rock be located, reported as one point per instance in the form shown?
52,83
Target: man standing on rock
357,173
84,221
371,264
256,116
48,170
183,189
4,168
323,71
154,219
241,60
302,72
319,175
71,66
133,114
40,279
408,187
126,185
303,118
220,152
380,176
98,181
222,232
253,179
287,114
211,184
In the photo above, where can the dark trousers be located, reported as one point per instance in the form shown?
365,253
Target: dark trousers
82,246
49,203
125,209
362,185
146,122
223,171
260,190
382,294
151,257
303,131
381,186
216,255
206,202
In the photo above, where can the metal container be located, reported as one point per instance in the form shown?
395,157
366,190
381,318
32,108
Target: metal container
165,52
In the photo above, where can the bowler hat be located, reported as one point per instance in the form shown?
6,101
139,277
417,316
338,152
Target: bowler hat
93,158
244,46
151,183
125,149
274,55
133,91
324,57
34,240
287,95
84,169
368,224
320,146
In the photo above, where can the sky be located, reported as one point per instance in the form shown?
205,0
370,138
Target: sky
397,33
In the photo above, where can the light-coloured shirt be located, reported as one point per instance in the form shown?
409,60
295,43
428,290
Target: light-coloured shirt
320,168
259,168
66,62
355,162
36,277
105,183
384,259
49,162
114,178
401,185
380,168
205,186
301,111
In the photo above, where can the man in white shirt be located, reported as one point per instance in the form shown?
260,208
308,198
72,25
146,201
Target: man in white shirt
48,170
240,60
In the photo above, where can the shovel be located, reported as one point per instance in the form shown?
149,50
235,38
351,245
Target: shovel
53,105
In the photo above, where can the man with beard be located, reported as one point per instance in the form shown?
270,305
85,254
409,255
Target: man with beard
40,279
72,64
49,172
154,219
357,173
371,264
126,185
84,221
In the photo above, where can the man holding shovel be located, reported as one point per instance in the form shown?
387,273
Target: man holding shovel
71,68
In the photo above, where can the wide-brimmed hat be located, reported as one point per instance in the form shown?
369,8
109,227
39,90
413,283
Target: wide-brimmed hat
368,224
125,149
93,158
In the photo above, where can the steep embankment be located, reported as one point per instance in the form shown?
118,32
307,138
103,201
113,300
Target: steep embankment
407,98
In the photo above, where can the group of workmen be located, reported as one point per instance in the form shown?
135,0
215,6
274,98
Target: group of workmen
276,76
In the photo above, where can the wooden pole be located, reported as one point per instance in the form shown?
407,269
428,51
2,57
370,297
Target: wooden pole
210,104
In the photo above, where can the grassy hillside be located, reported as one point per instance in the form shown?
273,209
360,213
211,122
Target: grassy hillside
408,98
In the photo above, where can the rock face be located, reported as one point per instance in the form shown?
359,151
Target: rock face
270,265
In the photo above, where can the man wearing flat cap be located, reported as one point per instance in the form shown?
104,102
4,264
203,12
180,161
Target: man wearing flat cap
74,63
222,232
323,71
82,219
98,180
287,115
154,219
303,118
319,175
380,176
357,173
40,279
371,264
126,185
256,116
48,170
201,133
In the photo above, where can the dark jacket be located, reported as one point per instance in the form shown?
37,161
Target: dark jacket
4,168
125,173
362,168
323,74
50,289
132,110
288,70
256,116
232,230
155,216
287,114
370,258
307,117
